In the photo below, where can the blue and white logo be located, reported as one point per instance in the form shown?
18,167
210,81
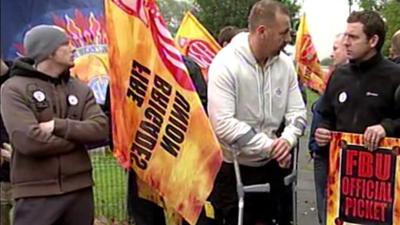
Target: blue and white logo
99,85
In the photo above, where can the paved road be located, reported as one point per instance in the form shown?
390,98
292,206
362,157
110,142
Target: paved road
306,205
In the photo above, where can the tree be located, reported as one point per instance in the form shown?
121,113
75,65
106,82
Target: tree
371,4
326,61
173,12
215,14
390,11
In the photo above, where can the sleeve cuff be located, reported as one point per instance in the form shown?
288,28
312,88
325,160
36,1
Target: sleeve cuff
292,140
387,124
60,127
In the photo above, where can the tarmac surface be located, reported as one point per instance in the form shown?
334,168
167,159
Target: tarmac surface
306,203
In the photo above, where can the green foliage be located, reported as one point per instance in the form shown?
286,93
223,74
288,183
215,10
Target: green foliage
370,4
173,12
326,61
390,10
215,14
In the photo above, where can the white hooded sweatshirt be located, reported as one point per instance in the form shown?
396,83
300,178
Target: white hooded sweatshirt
247,103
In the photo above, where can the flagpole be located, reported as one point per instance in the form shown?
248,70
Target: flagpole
350,5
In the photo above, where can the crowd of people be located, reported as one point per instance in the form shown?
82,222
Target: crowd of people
253,101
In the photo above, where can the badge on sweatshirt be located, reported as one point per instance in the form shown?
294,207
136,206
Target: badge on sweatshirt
278,92
342,97
72,100
39,96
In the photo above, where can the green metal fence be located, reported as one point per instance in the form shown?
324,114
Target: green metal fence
110,188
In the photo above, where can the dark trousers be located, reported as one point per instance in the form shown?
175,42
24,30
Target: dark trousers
74,208
321,179
259,207
144,212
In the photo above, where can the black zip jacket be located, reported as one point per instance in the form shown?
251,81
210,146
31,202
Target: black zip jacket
363,94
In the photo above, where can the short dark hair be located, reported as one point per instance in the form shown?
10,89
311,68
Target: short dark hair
373,25
226,34
264,11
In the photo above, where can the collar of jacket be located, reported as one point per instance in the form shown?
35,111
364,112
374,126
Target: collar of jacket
365,65
24,67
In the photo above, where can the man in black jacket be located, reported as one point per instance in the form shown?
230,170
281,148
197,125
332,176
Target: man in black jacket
363,96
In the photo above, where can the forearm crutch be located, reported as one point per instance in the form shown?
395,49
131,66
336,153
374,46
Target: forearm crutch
292,179
241,189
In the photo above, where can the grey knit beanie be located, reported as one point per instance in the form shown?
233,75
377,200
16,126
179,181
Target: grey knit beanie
43,40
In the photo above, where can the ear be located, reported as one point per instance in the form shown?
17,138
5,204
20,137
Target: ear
373,41
261,29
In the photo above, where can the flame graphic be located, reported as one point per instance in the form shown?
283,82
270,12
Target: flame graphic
83,30
340,140
307,52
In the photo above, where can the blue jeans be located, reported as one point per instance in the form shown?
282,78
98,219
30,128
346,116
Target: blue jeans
320,179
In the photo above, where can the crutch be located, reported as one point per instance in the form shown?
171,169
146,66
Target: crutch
241,189
292,179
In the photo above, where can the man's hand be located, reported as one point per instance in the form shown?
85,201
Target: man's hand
373,135
280,150
47,127
286,162
323,136
6,151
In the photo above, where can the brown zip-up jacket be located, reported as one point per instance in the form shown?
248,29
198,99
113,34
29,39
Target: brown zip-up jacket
46,164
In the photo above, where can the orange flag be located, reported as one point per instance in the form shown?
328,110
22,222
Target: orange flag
307,62
159,126
196,42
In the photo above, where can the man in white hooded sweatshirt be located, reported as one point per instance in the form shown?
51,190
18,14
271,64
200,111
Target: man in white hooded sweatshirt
252,89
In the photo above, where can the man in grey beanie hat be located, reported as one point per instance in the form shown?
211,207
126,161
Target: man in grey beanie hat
43,40
50,117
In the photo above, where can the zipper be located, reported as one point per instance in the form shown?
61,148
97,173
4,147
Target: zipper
262,86
357,99
56,106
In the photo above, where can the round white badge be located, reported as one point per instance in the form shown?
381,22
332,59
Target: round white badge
73,100
342,97
39,96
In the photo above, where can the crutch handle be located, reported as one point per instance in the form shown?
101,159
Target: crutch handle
257,188
289,179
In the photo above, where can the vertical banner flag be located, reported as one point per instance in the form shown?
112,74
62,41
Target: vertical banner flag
307,62
82,20
363,185
160,128
195,41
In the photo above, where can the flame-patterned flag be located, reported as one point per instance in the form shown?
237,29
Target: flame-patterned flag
160,128
195,41
363,186
307,62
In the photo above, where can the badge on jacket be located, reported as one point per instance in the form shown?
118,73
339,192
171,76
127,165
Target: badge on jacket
39,96
72,100
342,97
39,99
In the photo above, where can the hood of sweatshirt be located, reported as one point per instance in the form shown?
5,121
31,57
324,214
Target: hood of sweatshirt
241,45
25,67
